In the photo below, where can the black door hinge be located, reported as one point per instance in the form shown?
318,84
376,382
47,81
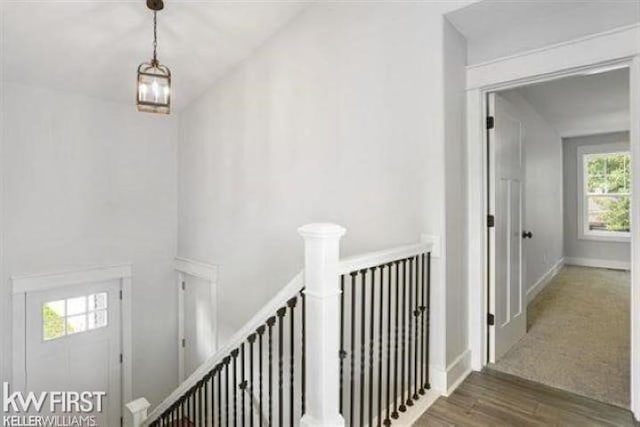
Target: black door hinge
490,122
184,285
184,342
491,319
491,221
120,294
120,357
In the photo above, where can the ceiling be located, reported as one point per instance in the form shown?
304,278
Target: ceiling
94,47
583,105
498,28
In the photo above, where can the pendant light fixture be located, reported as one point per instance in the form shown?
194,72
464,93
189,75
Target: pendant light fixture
154,79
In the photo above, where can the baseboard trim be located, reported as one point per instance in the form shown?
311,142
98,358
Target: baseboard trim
598,263
545,280
457,371
446,381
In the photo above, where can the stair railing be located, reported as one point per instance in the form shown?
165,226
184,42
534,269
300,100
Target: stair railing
364,319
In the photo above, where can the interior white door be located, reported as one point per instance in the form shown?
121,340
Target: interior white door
507,296
73,343
200,334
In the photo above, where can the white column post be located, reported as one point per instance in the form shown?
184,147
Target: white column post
137,412
322,297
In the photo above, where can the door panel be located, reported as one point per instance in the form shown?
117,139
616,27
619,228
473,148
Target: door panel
73,343
507,294
200,334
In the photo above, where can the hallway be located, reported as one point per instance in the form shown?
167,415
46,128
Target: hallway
492,398
578,336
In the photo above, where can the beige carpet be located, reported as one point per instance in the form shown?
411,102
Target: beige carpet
578,336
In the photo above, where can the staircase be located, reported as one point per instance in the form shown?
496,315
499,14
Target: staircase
345,342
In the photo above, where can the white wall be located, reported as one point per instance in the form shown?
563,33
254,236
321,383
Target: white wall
339,118
543,211
455,190
580,248
88,183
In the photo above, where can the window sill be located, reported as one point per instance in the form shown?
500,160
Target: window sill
625,238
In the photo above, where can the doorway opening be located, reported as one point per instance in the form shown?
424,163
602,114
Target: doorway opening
558,199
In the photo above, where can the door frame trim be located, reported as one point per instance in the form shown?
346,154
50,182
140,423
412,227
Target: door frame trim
24,284
209,272
603,51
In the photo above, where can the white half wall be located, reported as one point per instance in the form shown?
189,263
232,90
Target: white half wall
543,203
91,183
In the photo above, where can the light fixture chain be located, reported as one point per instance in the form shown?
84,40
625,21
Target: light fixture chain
155,37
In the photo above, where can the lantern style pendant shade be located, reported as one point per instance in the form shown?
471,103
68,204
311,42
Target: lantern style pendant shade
154,79
154,88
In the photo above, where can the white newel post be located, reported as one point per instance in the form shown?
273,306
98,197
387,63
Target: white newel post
137,412
322,294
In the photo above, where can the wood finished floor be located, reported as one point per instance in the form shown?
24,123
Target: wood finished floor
492,398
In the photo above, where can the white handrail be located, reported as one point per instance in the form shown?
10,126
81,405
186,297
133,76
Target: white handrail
290,290
373,259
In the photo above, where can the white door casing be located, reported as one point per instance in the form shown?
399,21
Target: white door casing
592,53
197,314
507,294
84,359
24,288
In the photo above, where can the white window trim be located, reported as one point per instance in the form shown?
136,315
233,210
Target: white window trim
583,227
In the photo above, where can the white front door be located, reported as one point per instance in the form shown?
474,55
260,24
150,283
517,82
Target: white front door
73,343
200,334
507,296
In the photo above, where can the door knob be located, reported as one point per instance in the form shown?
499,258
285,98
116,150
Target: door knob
527,235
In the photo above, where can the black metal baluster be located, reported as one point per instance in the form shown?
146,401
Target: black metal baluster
191,402
416,314
252,339
260,331
243,385
281,313
226,361
402,407
212,374
270,322
181,409
292,305
206,399
234,354
303,374
422,328
363,329
353,345
219,394
371,340
187,406
409,316
396,375
380,326
428,318
387,420
200,411
342,354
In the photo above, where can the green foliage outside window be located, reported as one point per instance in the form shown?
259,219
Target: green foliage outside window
608,188
53,324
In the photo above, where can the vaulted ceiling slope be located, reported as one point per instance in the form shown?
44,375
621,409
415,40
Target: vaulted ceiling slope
498,28
583,105
94,47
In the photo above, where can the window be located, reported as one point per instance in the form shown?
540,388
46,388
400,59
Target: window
74,315
606,195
